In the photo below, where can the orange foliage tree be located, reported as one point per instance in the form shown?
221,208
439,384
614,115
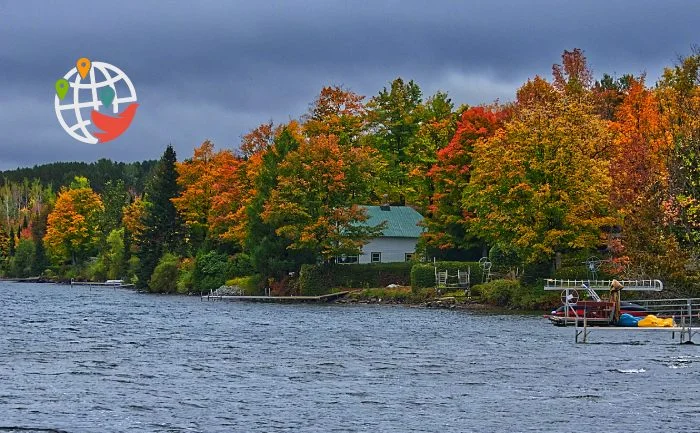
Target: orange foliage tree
314,202
212,188
73,230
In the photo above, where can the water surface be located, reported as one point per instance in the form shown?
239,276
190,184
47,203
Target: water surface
75,359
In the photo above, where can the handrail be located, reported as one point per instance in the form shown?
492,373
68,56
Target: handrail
629,285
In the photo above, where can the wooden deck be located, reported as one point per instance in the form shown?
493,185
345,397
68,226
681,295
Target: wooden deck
289,299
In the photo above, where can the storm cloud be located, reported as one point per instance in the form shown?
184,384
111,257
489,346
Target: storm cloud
214,70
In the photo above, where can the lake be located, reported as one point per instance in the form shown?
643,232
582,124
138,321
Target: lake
76,359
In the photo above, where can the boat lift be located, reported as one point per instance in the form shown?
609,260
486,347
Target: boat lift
602,314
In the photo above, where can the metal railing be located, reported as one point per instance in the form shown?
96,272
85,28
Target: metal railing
629,285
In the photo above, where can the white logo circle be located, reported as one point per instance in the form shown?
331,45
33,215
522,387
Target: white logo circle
84,98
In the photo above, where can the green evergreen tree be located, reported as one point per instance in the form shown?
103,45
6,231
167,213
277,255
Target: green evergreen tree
162,226
38,230
114,198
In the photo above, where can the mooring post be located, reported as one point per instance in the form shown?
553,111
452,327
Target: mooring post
690,321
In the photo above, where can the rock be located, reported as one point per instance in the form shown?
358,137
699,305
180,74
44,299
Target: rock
228,291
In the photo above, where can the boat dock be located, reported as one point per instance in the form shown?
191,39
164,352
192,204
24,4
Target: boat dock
283,299
600,315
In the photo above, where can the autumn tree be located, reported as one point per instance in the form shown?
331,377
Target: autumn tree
572,76
314,204
339,112
268,250
213,185
438,125
259,139
540,186
447,219
679,93
640,188
73,226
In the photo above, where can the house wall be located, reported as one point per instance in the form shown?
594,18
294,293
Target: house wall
392,249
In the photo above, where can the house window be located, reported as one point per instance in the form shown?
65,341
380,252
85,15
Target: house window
346,260
408,256
376,257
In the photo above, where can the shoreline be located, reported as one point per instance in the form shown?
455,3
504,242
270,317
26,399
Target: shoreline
352,297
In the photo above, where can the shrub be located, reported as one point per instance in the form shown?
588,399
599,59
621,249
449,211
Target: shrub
210,271
164,278
423,274
319,279
184,279
510,293
502,293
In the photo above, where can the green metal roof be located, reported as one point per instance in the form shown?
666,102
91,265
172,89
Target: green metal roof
401,221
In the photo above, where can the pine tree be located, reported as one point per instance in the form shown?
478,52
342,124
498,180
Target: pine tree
162,226
38,230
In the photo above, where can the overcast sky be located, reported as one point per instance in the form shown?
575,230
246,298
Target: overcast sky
215,70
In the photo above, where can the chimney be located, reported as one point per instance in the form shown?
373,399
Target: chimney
385,204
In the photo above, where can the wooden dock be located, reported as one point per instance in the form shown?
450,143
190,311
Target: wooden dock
95,284
280,299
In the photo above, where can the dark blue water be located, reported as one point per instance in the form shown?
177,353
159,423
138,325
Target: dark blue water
100,360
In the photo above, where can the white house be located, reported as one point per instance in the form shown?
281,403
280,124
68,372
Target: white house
399,237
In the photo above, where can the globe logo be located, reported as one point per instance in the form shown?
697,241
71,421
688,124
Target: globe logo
89,98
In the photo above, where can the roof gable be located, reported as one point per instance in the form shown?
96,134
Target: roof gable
401,221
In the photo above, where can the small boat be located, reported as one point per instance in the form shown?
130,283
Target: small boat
114,283
593,311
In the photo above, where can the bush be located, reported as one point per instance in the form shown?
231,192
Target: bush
164,278
184,279
398,295
320,279
510,293
501,293
210,271
423,274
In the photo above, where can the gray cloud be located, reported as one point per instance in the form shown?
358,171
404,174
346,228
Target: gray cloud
218,69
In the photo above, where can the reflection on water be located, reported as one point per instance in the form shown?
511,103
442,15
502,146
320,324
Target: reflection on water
104,360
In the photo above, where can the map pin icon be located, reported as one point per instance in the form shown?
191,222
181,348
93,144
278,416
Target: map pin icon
106,95
62,87
83,66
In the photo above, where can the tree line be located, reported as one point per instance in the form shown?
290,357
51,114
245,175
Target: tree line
572,167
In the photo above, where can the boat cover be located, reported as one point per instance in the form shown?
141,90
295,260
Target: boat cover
628,320
652,321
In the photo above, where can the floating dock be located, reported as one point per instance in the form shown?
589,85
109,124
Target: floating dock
283,299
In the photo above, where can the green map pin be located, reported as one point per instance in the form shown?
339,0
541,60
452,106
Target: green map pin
62,87
106,95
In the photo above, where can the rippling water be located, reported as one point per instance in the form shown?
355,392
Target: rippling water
104,360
